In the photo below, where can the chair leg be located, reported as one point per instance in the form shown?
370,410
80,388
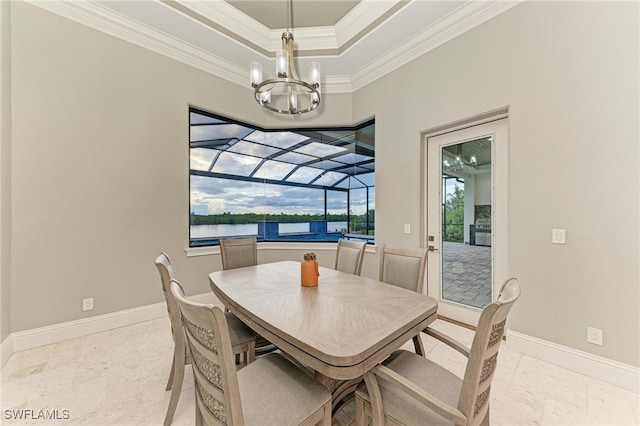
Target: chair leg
250,355
485,421
360,414
326,420
199,420
176,388
173,366
419,346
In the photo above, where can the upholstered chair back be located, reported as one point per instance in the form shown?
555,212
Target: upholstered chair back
239,252
403,266
349,256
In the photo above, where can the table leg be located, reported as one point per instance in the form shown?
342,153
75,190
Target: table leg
340,389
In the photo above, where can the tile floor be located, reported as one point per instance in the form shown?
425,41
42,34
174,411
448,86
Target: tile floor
118,377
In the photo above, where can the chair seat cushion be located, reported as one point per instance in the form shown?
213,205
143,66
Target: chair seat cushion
426,374
273,391
238,331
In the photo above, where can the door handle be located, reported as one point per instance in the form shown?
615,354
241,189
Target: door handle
431,239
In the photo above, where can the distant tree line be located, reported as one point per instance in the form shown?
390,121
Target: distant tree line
229,218
358,224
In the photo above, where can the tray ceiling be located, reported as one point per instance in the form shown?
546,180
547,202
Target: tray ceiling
356,42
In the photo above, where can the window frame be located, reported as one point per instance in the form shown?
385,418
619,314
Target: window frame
311,143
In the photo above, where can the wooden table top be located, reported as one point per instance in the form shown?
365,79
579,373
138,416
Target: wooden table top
342,327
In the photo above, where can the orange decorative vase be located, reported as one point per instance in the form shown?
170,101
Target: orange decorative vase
309,271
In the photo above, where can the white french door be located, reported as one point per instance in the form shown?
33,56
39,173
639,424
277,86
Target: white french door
466,218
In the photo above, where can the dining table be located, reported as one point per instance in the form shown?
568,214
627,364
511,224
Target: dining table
339,329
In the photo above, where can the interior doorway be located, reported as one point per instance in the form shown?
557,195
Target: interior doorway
465,216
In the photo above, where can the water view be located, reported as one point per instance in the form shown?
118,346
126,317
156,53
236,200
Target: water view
237,230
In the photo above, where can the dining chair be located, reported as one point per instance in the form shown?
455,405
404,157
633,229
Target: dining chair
349,256
242,337
413,390
269,391
404,267
238,253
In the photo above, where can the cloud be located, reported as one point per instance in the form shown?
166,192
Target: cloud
214,196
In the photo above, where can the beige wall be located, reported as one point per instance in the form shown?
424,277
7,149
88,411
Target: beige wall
572,92
100,159
100,182
5,170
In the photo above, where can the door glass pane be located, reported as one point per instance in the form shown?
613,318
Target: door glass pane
466,223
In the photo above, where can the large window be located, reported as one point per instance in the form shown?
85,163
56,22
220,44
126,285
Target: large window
279,185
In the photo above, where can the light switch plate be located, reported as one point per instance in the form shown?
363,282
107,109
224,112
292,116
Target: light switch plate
407,228
558,236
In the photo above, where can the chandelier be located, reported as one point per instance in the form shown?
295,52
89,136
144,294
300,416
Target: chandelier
458,163
287,93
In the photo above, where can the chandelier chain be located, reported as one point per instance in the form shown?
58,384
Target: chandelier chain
289,16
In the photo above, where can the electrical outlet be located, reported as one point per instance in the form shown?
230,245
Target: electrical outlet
558,236
594,335
87,304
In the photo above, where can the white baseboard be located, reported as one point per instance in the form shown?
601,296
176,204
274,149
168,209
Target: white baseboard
613,372
6,349
23,340
616,373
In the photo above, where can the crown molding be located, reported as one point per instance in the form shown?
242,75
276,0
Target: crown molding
337,84
105,20
360,17
227,16
462,20
95,16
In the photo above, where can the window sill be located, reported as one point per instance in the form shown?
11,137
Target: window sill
209,250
